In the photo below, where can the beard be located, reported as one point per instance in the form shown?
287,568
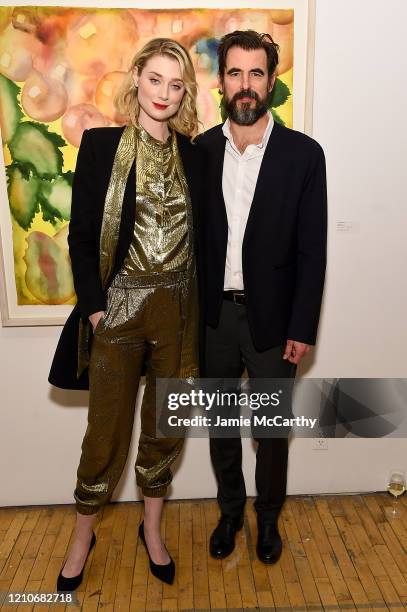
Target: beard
245,115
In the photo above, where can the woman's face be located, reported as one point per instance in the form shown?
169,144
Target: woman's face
160,87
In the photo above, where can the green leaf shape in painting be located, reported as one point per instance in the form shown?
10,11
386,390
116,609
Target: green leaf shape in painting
279,95
26,170
68,176
22,195
222,108
55,198
34,145
277,117
10,109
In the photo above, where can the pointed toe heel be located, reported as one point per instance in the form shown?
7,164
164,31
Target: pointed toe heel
67,585
165,573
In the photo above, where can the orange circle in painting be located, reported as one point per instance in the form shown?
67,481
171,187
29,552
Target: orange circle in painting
101,42
79,118
105,93
282,17
43,98
283,36
17,50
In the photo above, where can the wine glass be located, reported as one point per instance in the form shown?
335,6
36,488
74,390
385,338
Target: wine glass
396,488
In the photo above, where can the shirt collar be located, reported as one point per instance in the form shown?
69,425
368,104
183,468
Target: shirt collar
264,140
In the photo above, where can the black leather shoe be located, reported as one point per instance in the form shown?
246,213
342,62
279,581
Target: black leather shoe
222,541
269,544
166,572
71,584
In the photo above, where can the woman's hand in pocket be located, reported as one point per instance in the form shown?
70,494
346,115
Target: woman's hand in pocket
95,318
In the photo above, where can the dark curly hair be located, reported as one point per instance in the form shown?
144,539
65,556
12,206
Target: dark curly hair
248,40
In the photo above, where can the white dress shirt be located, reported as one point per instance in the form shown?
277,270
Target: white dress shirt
240,172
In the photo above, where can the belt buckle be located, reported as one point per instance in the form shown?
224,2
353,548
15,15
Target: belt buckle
238,294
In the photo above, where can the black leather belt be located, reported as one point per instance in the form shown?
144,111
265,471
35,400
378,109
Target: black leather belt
238,297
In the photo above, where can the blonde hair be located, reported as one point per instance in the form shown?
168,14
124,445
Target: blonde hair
185,120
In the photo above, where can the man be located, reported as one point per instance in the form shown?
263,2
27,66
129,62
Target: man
264,235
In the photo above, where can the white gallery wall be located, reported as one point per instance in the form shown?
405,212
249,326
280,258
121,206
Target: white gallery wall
359,118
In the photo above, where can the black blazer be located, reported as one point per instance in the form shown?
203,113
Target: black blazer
92,175
284,245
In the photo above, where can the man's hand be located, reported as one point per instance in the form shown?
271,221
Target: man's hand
95,318
295,351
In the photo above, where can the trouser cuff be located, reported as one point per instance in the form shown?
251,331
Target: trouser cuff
155,491
86,509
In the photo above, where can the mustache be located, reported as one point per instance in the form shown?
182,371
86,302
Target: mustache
246,93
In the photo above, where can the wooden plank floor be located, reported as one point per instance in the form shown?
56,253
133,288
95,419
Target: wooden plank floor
340,553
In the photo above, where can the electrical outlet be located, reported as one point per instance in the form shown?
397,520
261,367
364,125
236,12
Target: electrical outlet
320,444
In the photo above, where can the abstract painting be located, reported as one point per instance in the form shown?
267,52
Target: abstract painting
60,68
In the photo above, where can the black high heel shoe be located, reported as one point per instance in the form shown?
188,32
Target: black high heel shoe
166,572
71,584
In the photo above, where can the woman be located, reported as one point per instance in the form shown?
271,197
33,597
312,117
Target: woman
132,247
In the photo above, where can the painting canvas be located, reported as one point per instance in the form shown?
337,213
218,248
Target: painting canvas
60,68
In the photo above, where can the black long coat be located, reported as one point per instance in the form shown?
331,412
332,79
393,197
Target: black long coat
92,175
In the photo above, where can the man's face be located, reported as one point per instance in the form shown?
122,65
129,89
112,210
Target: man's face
246,85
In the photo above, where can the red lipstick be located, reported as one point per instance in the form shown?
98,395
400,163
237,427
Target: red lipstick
160,106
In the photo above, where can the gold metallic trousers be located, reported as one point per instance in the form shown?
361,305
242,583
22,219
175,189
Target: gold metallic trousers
143,322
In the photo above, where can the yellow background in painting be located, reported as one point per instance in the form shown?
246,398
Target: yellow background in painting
286,110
